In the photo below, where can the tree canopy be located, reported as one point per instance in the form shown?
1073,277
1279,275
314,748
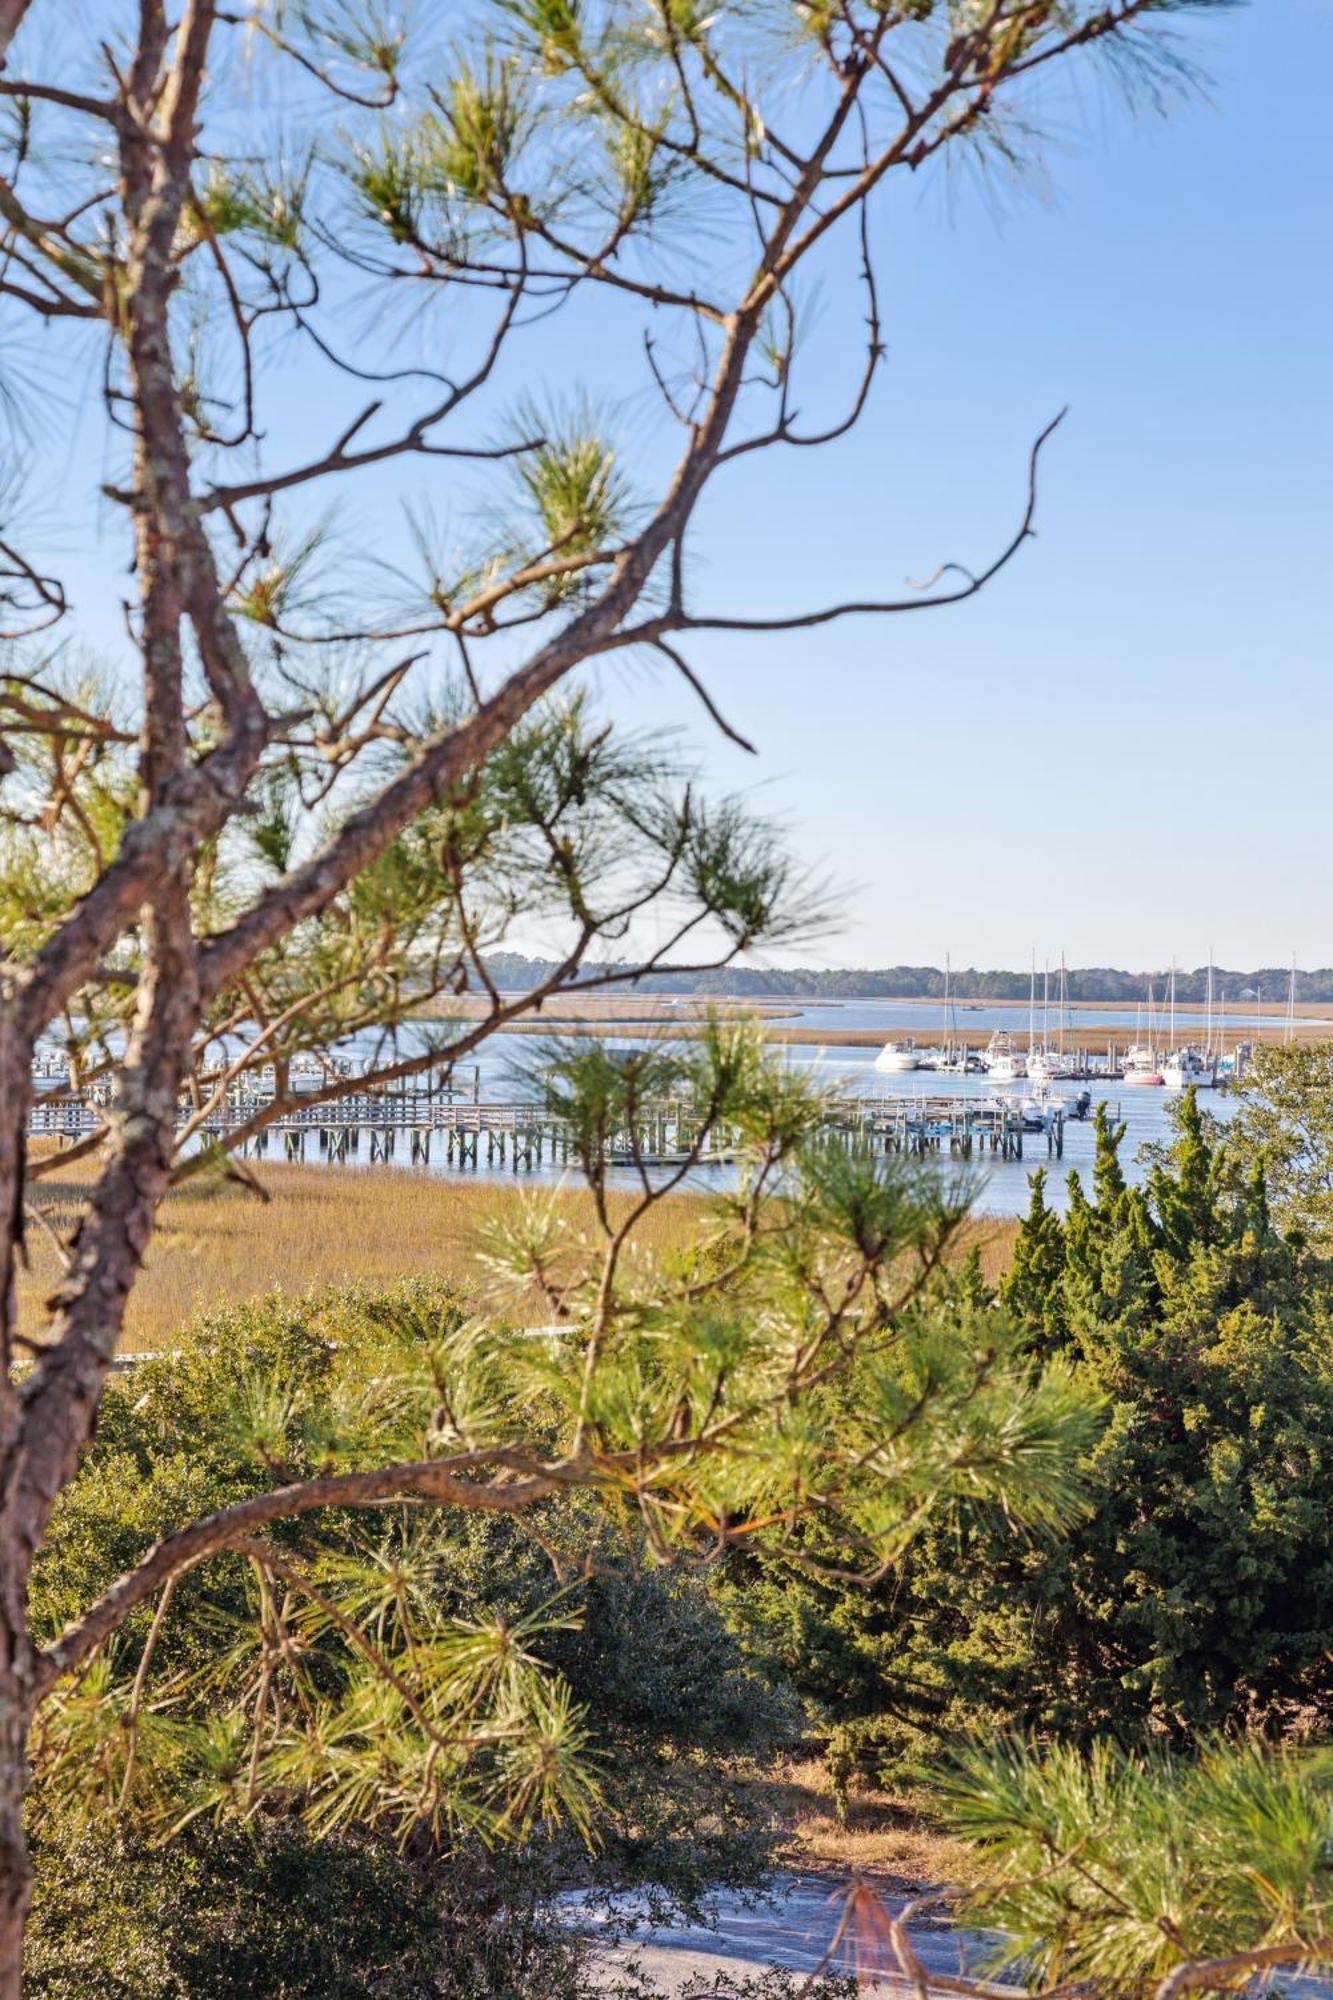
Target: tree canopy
291,789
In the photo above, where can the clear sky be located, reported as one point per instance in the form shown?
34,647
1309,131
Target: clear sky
1121,750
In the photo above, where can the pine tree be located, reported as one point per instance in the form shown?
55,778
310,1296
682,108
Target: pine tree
1032,1286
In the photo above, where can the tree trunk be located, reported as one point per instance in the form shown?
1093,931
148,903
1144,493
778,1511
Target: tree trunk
15,1867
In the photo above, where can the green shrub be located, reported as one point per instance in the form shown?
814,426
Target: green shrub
265,1907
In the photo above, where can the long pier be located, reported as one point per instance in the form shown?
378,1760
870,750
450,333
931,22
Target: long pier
522,1136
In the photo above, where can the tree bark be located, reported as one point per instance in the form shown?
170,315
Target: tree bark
15,1866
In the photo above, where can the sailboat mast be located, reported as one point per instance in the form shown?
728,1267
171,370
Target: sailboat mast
1173,1006
1032,1004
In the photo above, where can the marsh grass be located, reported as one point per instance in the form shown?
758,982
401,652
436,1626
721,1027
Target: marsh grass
325,1226
319,1227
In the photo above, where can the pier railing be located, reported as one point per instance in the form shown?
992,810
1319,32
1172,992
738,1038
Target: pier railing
522,1135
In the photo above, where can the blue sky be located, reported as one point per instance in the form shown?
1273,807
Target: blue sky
1121,750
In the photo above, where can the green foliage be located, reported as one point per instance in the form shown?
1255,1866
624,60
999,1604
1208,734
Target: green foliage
578,494
248,1898
267,1911
554,1678
1285,1128
1197,1592
1201,1592
470,1606
1113,1869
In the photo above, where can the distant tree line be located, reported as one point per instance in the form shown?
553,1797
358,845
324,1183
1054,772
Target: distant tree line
512,970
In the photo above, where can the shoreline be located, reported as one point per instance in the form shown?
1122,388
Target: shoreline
1089,1040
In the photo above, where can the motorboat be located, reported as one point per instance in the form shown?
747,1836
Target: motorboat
1037,1109
1185,1069
1004,1059
899,1056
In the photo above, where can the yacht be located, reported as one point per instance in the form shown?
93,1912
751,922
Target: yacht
899,1055
1185,1069
1004,1059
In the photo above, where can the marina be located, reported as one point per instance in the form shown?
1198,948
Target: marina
1001,1102
525,1136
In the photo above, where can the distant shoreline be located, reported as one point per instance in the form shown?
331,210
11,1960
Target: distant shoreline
609,1016
1305,1010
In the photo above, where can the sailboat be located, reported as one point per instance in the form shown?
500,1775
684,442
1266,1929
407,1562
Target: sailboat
1188,1068
953,1055
1141,1065
1049,1062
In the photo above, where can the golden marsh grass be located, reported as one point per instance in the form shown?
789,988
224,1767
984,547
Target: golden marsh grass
327,1226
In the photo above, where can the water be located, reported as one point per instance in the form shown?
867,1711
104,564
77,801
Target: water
502,1071
1144,1111
977,1019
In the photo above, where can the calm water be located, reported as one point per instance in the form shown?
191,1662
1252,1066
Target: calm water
1003,1185
1145,1113
977,1018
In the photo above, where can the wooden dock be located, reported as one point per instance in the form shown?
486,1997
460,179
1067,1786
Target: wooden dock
461,1134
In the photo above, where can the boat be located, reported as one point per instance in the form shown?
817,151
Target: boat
1048,1060
952,1058
1047,1065
1186,1069
1037,1109
899,1056
50,1070
1142,1067
1004,1059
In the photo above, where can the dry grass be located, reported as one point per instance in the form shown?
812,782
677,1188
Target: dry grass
882,1837
322,1227
993,1236
319,1228
626,1009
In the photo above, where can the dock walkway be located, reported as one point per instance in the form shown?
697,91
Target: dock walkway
524,1135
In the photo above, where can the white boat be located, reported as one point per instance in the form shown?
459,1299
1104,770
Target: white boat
1036,1108
899,1056
1142,1067
1047,1065
50,1070
1004,1059
1185,1069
